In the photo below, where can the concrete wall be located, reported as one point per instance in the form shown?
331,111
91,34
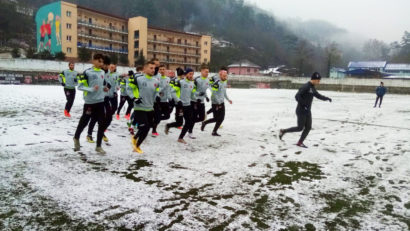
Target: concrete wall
38,65
396,86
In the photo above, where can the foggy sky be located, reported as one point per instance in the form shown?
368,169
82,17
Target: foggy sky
376,19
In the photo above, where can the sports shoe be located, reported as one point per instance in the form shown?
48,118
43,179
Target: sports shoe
117,117
100,150
155,134
90,139
281,133
190,135
182,141
215,134
166,129
134,142
66,113
203,126
76,145
301,145
138,150
127,116
105,138
131,130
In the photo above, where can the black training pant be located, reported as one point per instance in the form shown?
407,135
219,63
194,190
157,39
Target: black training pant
219,116
189,120
124,99
199,113
110,105
179,117
161,113
95,112
304,123
377,99
70,96
145,120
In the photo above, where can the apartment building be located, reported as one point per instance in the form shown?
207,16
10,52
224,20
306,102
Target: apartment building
66,27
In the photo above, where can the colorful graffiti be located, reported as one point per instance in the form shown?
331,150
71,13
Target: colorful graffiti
48,21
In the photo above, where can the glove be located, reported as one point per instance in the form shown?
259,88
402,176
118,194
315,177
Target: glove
329,99
198,101
179,103
201,93
63,84
137,100
207,99
108,86
158,99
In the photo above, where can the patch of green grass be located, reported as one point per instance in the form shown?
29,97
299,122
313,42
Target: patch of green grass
9,114
293,171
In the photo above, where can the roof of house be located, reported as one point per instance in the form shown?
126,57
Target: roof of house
367,64
397,67
244,63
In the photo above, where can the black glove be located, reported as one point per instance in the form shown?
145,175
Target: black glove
63,84
137,100
158,99
198,101
179,103
329,99
201,93
207,99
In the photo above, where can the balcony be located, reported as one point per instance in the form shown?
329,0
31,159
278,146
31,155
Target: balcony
102,48
96,37
91,25
173,44
173,53
180,63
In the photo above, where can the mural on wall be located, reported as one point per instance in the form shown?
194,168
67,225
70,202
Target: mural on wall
48,22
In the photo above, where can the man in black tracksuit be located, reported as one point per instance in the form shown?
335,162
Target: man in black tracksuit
304,97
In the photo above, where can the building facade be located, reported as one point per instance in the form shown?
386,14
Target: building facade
66,27
244,67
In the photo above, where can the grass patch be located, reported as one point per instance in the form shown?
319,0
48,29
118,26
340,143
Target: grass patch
293,171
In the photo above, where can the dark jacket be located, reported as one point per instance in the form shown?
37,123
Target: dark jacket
380,91
304,97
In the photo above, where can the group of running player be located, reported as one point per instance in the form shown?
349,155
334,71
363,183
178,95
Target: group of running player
152,95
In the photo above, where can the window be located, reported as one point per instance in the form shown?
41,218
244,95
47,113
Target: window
68,26
123,48
206,43
248,70
179,41
155,56
69,50
136,34
110,35
90,20
196,60
197,52
110,25
136,44
136,54
168,49
123,28
68,13
123,38
90,43
197,43
255,70
205,60
155,46
185,50
205,51
167,57
185,59
155,37
186,42
69,38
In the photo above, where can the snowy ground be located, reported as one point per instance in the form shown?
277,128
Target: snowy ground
354,176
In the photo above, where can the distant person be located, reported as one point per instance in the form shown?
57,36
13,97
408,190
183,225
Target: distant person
68,79
304,97
380,92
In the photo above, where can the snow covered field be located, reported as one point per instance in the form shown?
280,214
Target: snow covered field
354,176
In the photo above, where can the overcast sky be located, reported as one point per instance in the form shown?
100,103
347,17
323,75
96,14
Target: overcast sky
379,19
